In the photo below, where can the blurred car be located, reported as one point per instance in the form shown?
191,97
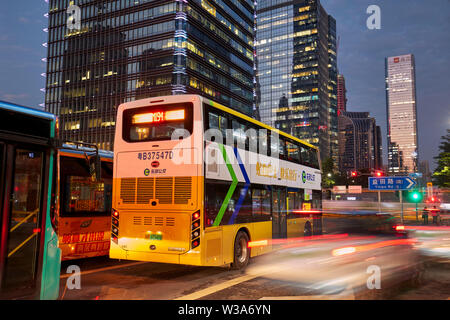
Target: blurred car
359,250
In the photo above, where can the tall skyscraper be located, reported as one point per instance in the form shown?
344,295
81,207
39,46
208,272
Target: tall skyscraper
103,53
359,142
297,70
401,112
341,94
332,90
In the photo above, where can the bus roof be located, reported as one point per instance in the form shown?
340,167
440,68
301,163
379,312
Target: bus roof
217,105
243,116
27,110
68,148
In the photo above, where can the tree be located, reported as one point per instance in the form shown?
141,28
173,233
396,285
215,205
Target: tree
328,174
441,175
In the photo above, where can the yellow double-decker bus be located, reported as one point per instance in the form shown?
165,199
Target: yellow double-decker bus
198,183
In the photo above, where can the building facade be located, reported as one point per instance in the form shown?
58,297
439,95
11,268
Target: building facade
359,142
401,112
102,53
297,71
341,94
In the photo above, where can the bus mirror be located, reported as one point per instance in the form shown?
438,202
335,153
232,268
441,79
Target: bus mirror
95,167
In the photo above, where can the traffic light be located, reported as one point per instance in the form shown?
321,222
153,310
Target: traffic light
379,173
354,174
415,196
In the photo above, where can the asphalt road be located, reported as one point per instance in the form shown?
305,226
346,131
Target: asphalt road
105,279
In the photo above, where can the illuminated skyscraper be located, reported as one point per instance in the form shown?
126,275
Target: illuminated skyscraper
122,50
359,142
341,94
401,114
297,71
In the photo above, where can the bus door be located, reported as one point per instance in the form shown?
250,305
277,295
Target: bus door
279,214
22,171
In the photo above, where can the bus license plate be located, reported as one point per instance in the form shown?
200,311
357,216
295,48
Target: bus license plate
156,237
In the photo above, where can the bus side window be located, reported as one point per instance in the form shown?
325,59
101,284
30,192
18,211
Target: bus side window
252,138
239,137
304,155
314,159
299,199
217,122
282,149
261,204
262,141
274,141
293,153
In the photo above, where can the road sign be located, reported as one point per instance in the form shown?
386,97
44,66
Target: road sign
354,189
391,183
339,189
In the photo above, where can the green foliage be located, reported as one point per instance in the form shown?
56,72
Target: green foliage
441,175
328,174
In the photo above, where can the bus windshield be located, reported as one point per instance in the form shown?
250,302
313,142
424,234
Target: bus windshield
83,196
157,123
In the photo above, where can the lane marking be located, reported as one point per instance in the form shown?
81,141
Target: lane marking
217,287
104,269
227,284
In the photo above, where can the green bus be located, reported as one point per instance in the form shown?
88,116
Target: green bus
30,259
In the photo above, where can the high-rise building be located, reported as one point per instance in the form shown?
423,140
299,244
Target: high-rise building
332,90
359,142
103,53
401,112
424,169
297,70
341,94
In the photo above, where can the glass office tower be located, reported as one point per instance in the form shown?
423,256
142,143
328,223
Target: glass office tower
123,50
401,114
297,71
359,142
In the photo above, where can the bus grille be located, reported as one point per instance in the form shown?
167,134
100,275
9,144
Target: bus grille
164,190
144,190
167,190
182,190
170,222
137,220
128,190
156,221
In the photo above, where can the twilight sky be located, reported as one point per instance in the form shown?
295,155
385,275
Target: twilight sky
407,26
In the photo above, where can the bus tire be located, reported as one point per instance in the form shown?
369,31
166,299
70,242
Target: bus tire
307,232
241,251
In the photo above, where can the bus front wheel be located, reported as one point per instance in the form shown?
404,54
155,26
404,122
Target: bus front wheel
241,251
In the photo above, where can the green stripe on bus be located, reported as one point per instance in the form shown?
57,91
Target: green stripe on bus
230,191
